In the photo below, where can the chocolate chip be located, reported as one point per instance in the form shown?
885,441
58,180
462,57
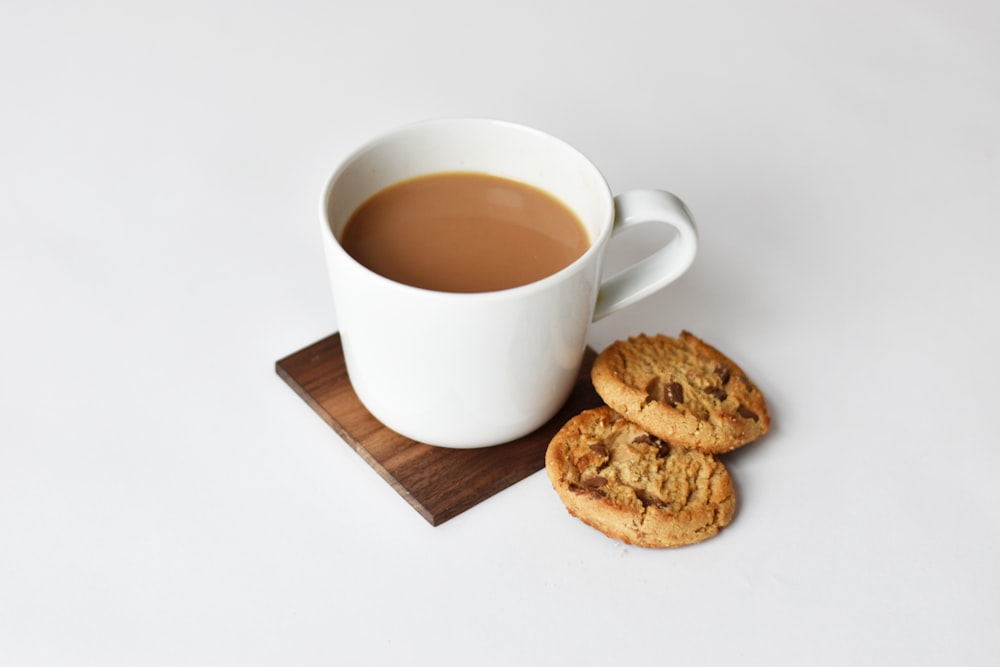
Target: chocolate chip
600,450
717,392
723,373
647,439
673,394
595,482
648,500
747,413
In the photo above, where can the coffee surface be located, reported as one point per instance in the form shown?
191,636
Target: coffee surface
464,232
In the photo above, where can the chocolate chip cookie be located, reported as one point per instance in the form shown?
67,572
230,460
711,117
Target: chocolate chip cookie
633,486
681,390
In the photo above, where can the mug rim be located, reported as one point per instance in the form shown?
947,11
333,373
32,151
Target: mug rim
596,244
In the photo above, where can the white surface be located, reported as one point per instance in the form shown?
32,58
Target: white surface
165,499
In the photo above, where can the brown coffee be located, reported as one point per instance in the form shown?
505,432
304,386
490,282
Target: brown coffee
464,232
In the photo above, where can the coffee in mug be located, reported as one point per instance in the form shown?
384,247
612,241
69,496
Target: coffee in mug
464,232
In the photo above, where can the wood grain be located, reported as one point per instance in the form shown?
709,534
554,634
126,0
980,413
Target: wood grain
438,482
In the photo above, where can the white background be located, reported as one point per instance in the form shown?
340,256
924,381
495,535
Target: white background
165,499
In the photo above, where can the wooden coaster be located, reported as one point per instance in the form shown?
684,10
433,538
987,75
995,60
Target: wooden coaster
440,483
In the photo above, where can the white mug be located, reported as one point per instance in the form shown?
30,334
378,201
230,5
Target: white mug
466,370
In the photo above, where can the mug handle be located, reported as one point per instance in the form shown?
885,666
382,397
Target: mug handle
637,207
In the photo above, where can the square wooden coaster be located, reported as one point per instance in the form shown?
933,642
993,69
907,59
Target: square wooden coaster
440,483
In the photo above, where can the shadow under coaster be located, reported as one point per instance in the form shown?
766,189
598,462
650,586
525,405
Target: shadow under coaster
440,483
